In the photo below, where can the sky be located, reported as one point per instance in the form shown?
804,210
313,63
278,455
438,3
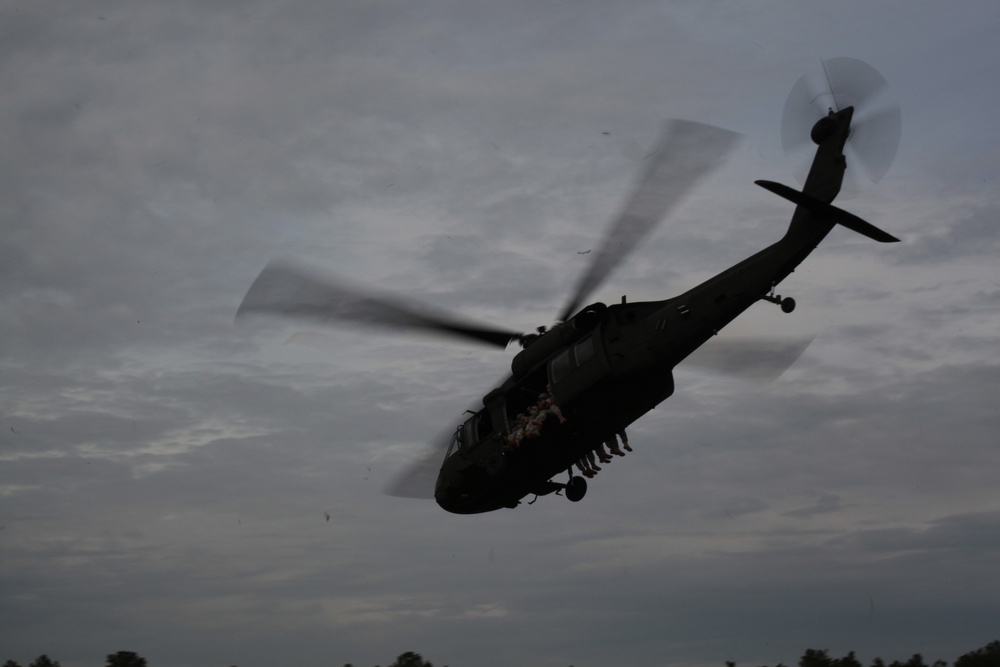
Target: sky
207,492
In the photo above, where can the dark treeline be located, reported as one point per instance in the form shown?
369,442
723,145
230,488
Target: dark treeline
119,659
987,656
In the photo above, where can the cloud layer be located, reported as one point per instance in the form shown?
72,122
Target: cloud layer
204,494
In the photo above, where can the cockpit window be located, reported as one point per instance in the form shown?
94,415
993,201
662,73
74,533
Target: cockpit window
456,443
484,425
476,428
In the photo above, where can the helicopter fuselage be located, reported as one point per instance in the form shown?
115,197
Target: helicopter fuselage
607,366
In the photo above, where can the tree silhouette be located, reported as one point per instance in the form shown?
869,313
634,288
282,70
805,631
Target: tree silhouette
815,658
44,661
410,659
987,656
821,658
125,659
847,661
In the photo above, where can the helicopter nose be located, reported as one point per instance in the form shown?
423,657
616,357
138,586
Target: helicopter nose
447,497
451,503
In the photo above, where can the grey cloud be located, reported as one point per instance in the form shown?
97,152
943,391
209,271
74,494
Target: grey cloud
156,159
969,233
824,505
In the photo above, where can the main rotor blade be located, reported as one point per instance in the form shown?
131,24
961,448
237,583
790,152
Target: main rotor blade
417,480
686,152
284,290
751,358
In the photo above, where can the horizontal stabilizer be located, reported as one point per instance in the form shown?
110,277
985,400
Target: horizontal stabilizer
828,212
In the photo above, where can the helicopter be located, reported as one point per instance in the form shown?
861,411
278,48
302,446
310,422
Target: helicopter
581,382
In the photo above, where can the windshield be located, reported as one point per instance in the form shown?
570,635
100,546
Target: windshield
456,443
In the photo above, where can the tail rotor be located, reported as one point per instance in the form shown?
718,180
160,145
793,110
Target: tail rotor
845,82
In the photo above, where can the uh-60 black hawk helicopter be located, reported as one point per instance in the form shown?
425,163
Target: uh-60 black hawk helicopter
605,366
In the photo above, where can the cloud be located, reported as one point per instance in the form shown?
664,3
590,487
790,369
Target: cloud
970,231
167,475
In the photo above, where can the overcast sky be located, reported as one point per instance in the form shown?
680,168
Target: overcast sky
165,473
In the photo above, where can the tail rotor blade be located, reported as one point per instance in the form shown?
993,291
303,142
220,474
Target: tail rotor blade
876,139
853,82
804,106
845,82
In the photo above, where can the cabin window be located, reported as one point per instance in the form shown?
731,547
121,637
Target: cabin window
564,364
576,369
561,366
584,350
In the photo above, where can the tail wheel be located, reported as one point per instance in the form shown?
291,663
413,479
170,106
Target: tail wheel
787,304
576,489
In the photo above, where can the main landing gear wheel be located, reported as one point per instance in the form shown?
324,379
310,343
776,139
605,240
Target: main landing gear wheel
576,489
787,304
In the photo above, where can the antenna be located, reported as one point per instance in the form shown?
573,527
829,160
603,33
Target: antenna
829,84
